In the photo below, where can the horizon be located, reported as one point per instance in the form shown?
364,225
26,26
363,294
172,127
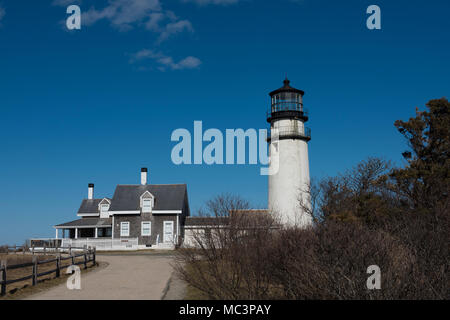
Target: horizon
97,104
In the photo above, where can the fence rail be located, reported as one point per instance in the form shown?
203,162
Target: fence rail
87,253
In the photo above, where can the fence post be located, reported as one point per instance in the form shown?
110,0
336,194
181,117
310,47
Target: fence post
85,256
45,249
15,249
35,271
70,249
3,268
58,264
32,249
93,255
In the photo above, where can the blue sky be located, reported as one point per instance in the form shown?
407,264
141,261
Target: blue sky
96,105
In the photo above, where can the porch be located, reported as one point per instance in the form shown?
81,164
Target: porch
85,228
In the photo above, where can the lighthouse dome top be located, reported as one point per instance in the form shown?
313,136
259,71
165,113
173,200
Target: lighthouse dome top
287,88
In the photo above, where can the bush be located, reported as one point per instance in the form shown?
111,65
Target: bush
331,261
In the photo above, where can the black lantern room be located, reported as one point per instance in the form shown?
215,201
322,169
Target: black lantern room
287,102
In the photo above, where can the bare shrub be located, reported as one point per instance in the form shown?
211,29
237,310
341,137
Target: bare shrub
230,259
246,255
331,260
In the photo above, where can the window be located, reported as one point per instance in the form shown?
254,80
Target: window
124,229
104,210
146,205
146,228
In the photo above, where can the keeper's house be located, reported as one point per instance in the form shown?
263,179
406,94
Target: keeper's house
138,216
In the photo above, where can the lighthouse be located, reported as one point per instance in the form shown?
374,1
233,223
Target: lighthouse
289,198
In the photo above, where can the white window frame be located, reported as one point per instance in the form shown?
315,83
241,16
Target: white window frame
149,228
122,234
147,208
104,205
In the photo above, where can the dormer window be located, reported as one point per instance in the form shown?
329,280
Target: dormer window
104,208
146,205
147,202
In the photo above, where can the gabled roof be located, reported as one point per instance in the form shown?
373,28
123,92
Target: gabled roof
167,196
89,206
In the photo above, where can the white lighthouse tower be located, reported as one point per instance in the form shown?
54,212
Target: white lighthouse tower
289,164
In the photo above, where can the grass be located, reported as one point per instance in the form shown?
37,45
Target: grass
17,289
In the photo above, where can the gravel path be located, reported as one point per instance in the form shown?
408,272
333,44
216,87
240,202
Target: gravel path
130,276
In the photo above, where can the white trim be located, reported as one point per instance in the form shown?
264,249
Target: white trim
138,211
125,212
81,227
88,214
167,211
123,223
109,201
142,229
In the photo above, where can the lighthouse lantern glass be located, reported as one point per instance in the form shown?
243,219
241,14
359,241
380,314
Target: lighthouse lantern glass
287,101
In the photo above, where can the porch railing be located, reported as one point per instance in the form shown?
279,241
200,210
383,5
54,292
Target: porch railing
283,132
101,243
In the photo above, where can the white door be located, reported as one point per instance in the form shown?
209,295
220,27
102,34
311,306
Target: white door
168,231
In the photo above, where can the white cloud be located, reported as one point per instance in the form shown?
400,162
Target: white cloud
127,14
123,14
174,28
206,2
165,62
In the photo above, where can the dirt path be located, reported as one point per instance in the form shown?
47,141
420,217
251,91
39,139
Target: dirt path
140,276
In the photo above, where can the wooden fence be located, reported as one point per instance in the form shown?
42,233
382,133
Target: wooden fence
73,253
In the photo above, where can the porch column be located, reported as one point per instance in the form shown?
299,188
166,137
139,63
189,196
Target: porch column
96,232
56,236
76,233
112,228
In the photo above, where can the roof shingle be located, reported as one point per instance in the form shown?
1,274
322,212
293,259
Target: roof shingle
167,196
